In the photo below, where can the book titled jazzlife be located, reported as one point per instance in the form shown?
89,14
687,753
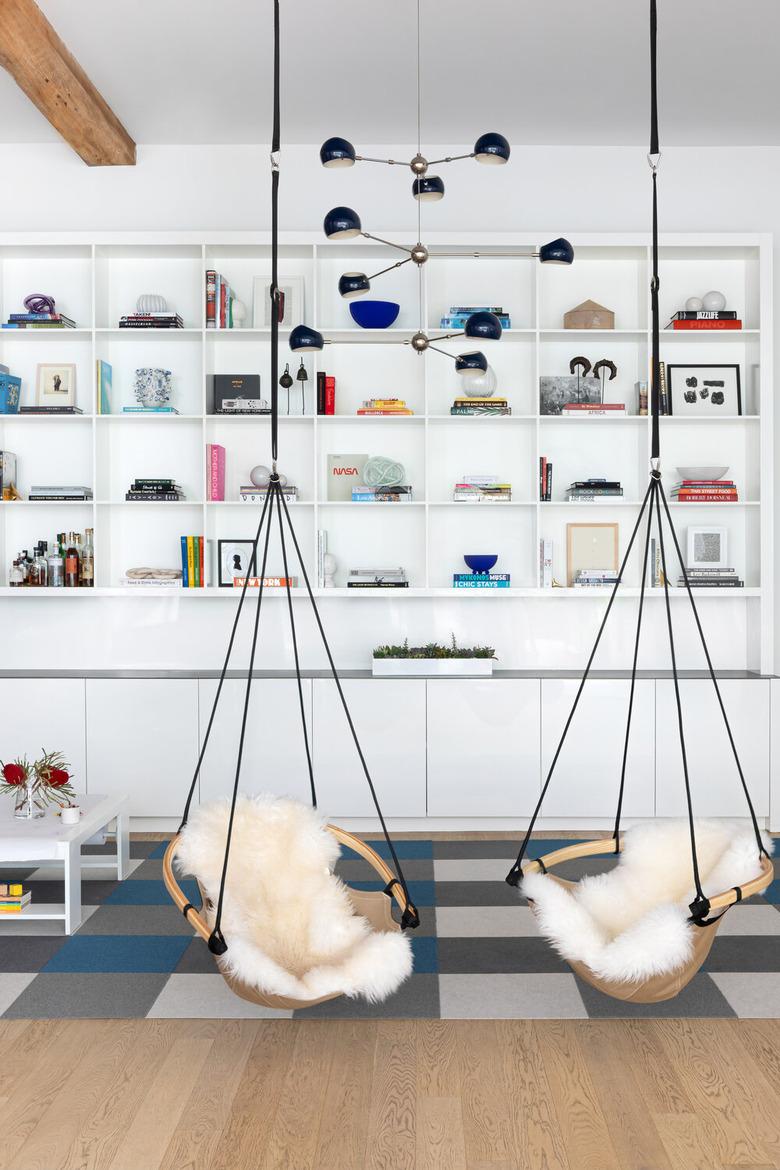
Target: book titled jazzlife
344,471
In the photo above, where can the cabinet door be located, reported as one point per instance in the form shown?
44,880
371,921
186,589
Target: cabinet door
142,740
586,780
274,757
715,784
483,747
38,714
389,717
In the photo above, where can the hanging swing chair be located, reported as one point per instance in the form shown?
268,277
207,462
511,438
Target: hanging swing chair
294,934
642,931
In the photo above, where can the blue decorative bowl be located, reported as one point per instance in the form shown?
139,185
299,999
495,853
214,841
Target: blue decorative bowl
374,314
481,563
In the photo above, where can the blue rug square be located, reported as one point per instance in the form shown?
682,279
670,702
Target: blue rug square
159,851
121,952
405,850
422,893
772,892
426,955
147,892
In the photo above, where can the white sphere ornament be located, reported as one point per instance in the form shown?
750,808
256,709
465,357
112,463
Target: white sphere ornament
480,384
694,304
151,303
714,301
261,476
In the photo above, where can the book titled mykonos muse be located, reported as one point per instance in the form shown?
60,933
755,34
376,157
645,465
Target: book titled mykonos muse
344,471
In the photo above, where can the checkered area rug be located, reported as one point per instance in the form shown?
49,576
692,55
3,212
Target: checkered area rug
477,953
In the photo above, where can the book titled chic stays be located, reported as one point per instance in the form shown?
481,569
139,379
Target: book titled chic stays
344,471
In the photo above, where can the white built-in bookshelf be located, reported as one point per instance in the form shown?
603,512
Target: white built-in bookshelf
95,279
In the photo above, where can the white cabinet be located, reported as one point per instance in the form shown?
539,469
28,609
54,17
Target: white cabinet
715,784
586,780
142,740
274,758
38,714
389,717
483,747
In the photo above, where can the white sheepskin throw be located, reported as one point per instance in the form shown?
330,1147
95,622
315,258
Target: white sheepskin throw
287,919
632,923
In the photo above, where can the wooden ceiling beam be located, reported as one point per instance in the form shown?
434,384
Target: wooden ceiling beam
53,80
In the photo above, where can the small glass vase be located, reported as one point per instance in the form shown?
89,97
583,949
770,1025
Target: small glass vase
29,805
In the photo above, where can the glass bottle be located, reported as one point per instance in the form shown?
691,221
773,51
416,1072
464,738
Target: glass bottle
16,574
40,567
71,564
56,569
26,566
88,560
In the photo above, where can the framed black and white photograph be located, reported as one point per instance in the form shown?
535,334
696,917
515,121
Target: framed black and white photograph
293,307
707,547
568,390
233,559
699,390
55,384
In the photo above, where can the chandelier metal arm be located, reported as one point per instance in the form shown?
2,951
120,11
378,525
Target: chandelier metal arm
515,254
388,162
450,158
390,267
390,244
448,336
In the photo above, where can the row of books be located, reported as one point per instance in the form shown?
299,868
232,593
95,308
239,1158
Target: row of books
219,301
545,479
593,409
39,321
489,407
595,578
151,321
144,490
326,393
711,579
480,581
722,319
705,491
193,566
384,407
249,494
13,897
589,491
482,489
58,492
377,579
400,494
458,315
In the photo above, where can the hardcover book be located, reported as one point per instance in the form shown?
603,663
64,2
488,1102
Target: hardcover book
344,472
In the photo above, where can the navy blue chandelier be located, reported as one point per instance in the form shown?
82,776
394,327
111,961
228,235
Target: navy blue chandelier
343,223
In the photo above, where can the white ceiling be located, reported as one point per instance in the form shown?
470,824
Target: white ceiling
547,71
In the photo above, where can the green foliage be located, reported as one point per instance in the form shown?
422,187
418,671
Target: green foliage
434,650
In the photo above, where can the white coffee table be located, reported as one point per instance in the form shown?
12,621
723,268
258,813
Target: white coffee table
47,839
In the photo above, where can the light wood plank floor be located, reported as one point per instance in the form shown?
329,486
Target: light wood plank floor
390,1095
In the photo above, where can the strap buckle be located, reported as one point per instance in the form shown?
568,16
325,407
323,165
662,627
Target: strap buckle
275,156
654,161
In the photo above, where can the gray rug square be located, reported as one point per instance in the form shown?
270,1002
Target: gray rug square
30,953
206,997
478,893
12,984
752,995
510,997
485,922
88,995
136,920
196,960
418,998
751,919
494,956
700,998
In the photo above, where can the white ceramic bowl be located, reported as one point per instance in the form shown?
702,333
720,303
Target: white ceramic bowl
701,472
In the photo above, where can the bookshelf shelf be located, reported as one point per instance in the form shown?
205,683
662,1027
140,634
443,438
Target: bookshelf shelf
99,279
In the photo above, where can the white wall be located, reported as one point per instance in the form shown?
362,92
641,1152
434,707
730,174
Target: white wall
545,190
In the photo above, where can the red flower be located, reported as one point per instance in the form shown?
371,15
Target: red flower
58,777
14,774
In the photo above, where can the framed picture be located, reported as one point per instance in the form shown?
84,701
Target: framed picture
708,547
704,389
55,384
566,390
233,559
590,546
293,307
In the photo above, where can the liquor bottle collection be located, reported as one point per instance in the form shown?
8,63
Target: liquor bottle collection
68,564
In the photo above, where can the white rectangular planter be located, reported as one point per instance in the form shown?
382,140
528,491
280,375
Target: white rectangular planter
451,667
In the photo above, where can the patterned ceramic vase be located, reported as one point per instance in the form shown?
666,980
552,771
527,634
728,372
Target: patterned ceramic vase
152,386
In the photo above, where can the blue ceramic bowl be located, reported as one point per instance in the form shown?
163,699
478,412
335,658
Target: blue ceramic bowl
374,314
481,563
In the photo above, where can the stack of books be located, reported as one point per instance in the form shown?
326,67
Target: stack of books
400,494
591,491
480,580
39,321
149,578
593,409
595,578
52,410
326,393
705,491
13,897
482,489
545,479
154,490
711,579
193,567
249,494
219,301
151,321
377,579
385,406
149,410
491,407
459,315
723,319
56,493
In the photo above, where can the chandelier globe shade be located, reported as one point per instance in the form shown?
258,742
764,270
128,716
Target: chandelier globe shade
428,189
337,152
492,148
342,223
557,251
471,363
353,284
303,339
483,327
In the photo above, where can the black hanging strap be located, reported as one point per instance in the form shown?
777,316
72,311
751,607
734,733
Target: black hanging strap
654,158
274,292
